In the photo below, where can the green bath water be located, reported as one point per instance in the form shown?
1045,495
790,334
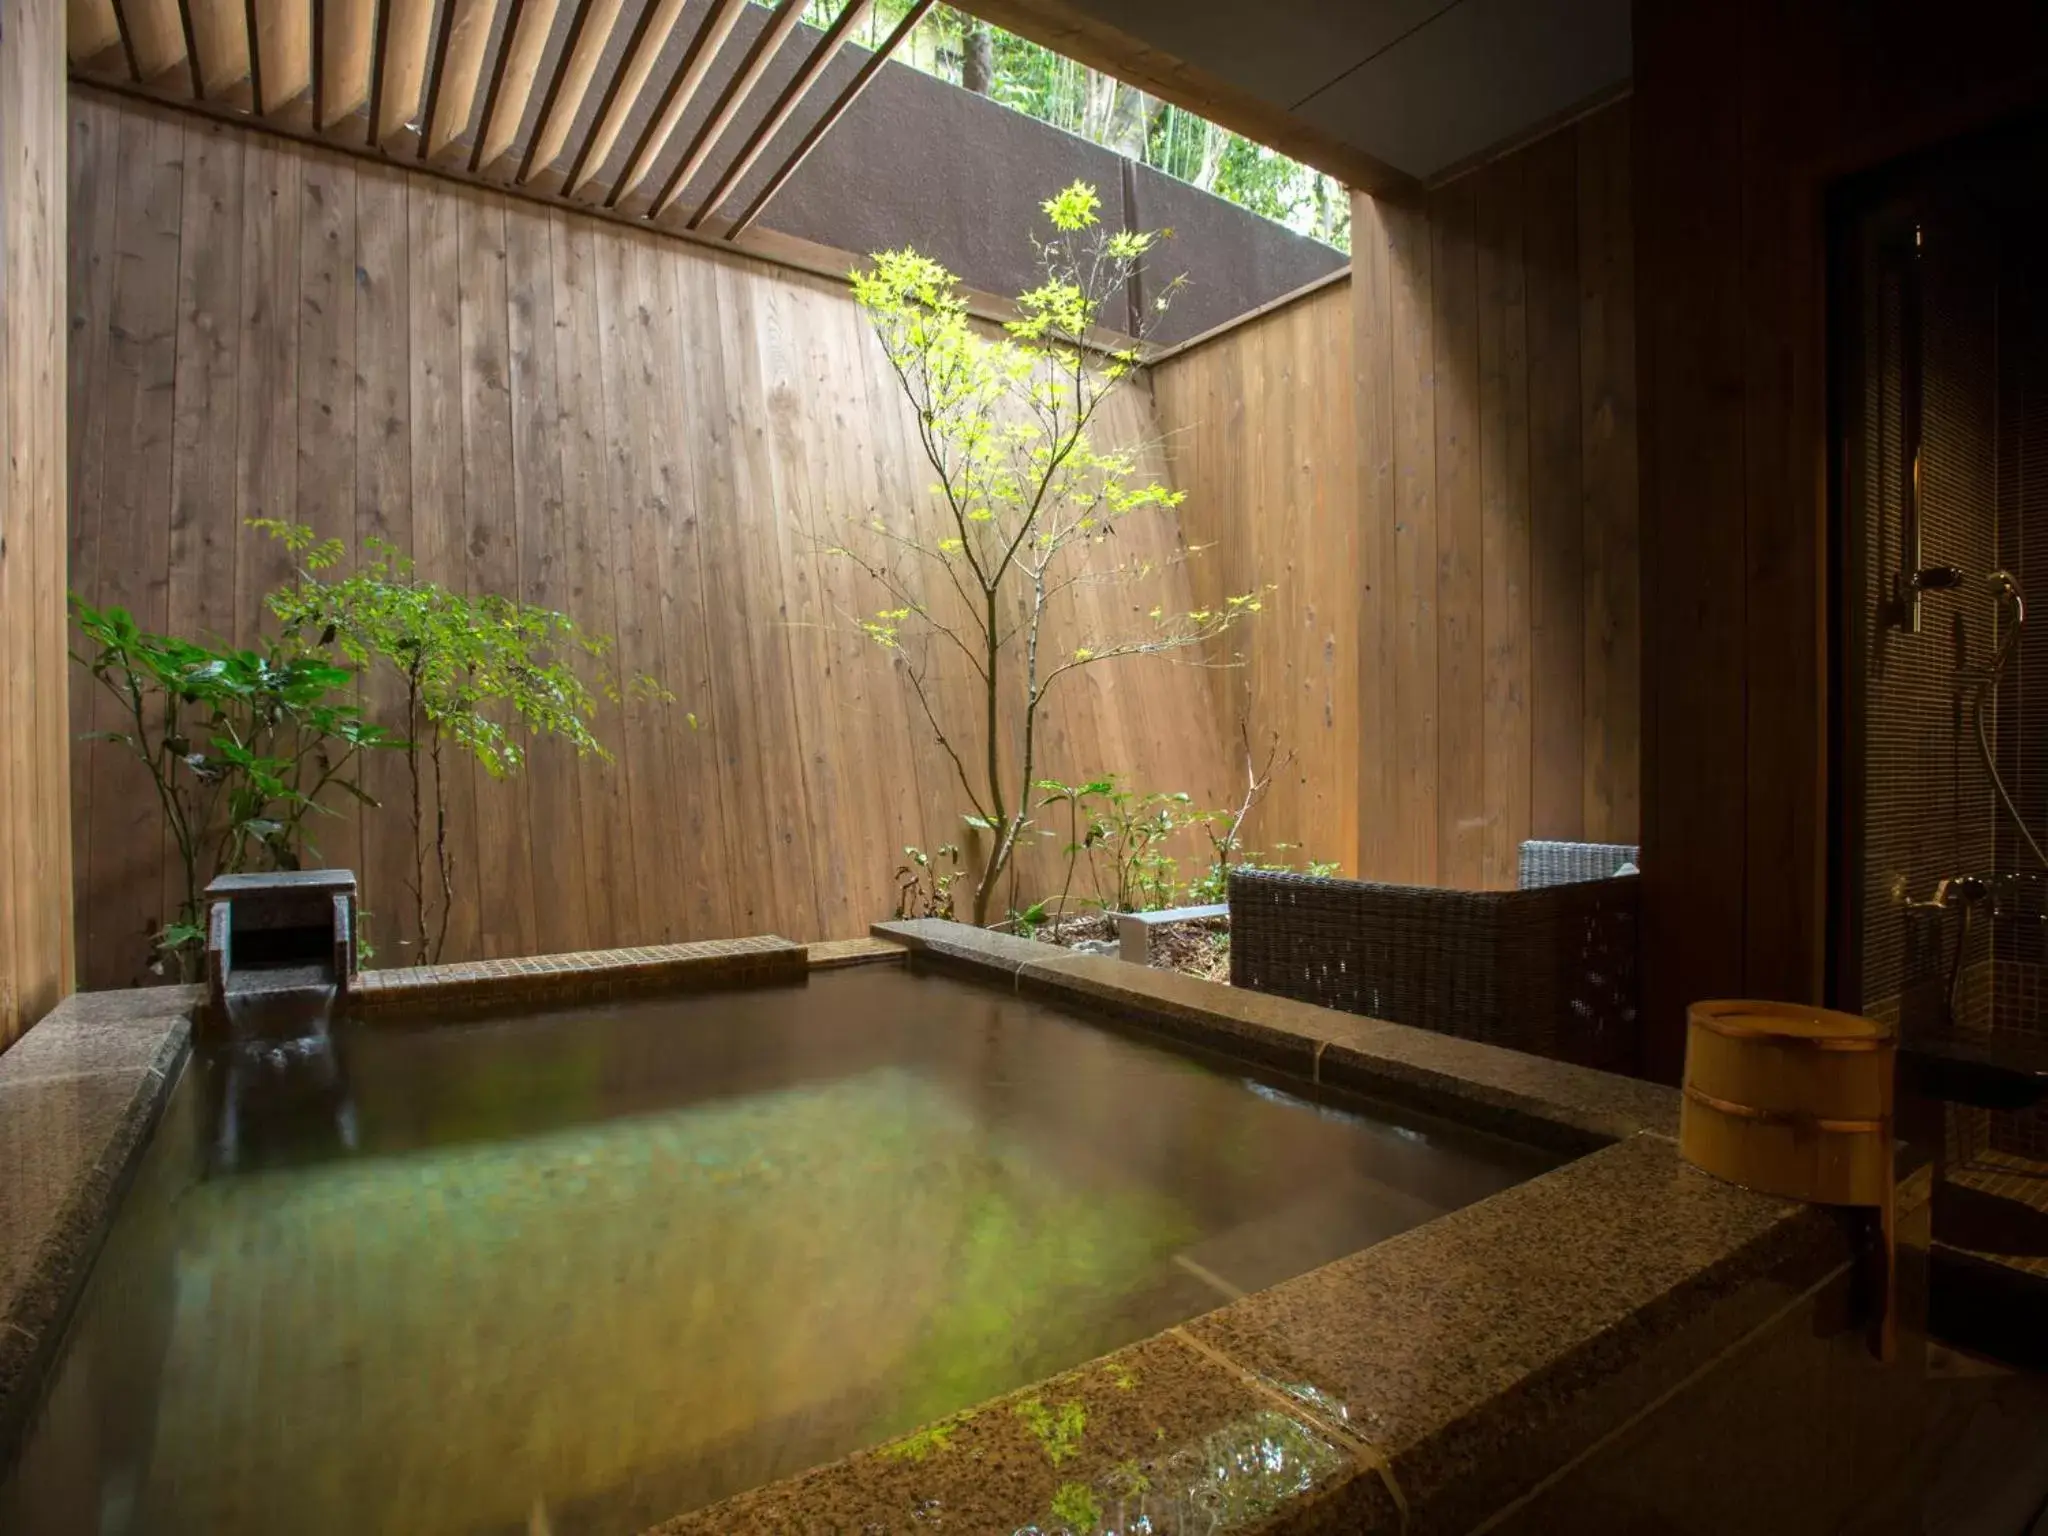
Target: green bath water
582,1271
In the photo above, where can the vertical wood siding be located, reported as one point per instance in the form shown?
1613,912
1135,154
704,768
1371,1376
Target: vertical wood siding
35,854
1436,466
618,425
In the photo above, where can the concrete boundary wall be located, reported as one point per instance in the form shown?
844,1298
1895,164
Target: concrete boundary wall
920,161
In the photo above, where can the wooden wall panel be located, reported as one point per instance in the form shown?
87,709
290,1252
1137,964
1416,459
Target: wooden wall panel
1258,427
490,555
95,148
1413,723
383,483
590,588
435,419
1467,513
1613,621
1370,305
1557,653
35,860
131,545
206,405
1460,668
557,863
1507,771
623,426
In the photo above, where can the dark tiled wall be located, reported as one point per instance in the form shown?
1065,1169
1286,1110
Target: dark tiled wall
2020,993
1929,806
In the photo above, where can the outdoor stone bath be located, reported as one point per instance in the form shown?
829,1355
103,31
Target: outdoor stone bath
739,1237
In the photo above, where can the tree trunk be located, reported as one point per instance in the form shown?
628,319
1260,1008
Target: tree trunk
978,61
1099,107
1129,117
1212,156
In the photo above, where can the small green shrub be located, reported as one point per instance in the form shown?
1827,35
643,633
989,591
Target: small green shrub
923,887
244,747
1122,837
479,672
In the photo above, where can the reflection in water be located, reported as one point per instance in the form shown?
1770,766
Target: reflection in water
584,1271
276,1087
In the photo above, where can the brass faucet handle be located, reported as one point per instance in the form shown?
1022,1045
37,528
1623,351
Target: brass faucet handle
1938,902
1949,891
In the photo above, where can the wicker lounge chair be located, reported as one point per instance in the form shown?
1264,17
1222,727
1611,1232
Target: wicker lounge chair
1549,968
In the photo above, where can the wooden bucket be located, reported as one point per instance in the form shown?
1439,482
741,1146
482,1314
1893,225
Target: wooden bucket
1789,1100
1797,1102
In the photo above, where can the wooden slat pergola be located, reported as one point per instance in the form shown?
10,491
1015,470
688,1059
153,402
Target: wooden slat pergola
579,101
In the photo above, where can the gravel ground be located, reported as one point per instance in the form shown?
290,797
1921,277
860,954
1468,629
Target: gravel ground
1200,948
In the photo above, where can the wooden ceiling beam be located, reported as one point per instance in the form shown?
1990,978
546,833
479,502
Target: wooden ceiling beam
90,28
345,32
497,80
520,53
380,42
194,70
220,33
789,14
281,31
785,105
650,35
824,125
570,83
404,30
127,36
459,70
254,37
1066,28
152,36
435,71
681,91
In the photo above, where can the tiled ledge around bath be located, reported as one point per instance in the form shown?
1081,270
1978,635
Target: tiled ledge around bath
546,980
836,954
79,1095
1548,1103
1418,1385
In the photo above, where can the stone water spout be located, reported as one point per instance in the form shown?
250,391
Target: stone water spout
280,958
